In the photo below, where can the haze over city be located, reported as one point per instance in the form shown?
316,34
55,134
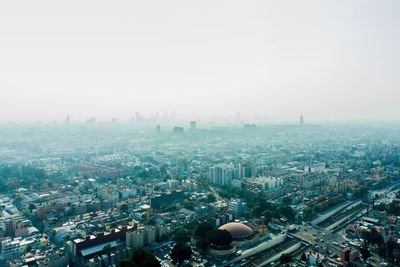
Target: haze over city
200,133
327,60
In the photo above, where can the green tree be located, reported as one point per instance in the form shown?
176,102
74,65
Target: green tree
187,204
203,229
25,212
248,214
201,234
360,192
124,208
181,235
287,200
303,257
268,216
180,252
285,258
126,263
31,207
256,211
307,212
288,212
143,258
365,253
107,249
220,238
210,198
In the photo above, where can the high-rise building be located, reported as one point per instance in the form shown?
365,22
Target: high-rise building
193,125
301,120
221,175
139,118
178,130
237,207
240,171
9,227
158,129
91,120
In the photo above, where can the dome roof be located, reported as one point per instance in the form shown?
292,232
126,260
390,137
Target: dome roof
238,231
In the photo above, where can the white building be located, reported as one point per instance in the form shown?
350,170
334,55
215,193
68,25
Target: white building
268,182
221,174
12,248
237,207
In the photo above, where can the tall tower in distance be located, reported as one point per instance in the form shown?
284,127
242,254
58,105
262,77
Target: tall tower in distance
67,119
301,120
193,125
158,129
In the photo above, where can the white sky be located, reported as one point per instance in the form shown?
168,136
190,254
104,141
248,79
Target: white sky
327,60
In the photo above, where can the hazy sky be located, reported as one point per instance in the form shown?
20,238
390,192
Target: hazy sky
328,60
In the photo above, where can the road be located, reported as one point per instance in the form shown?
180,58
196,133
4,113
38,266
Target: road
330,213
261,247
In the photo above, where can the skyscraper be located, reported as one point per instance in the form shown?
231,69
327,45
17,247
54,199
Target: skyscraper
178,130
193,125
301,120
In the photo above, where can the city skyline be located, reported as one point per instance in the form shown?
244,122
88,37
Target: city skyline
326,60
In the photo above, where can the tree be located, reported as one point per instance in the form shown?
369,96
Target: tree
256,211
268,216
201,234
307,212
203,229
3,186
126,263
180,252
187,204
285,258
143,258
288,212
25,212
360,192
247,214
220,238
287,200
181,235
394,208
372,237
107,249
124,208
211,198
392,249
365,253
303,257
31,207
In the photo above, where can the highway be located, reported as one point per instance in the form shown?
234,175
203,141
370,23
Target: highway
261,247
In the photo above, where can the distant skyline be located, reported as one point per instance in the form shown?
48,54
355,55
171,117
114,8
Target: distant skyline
326,60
